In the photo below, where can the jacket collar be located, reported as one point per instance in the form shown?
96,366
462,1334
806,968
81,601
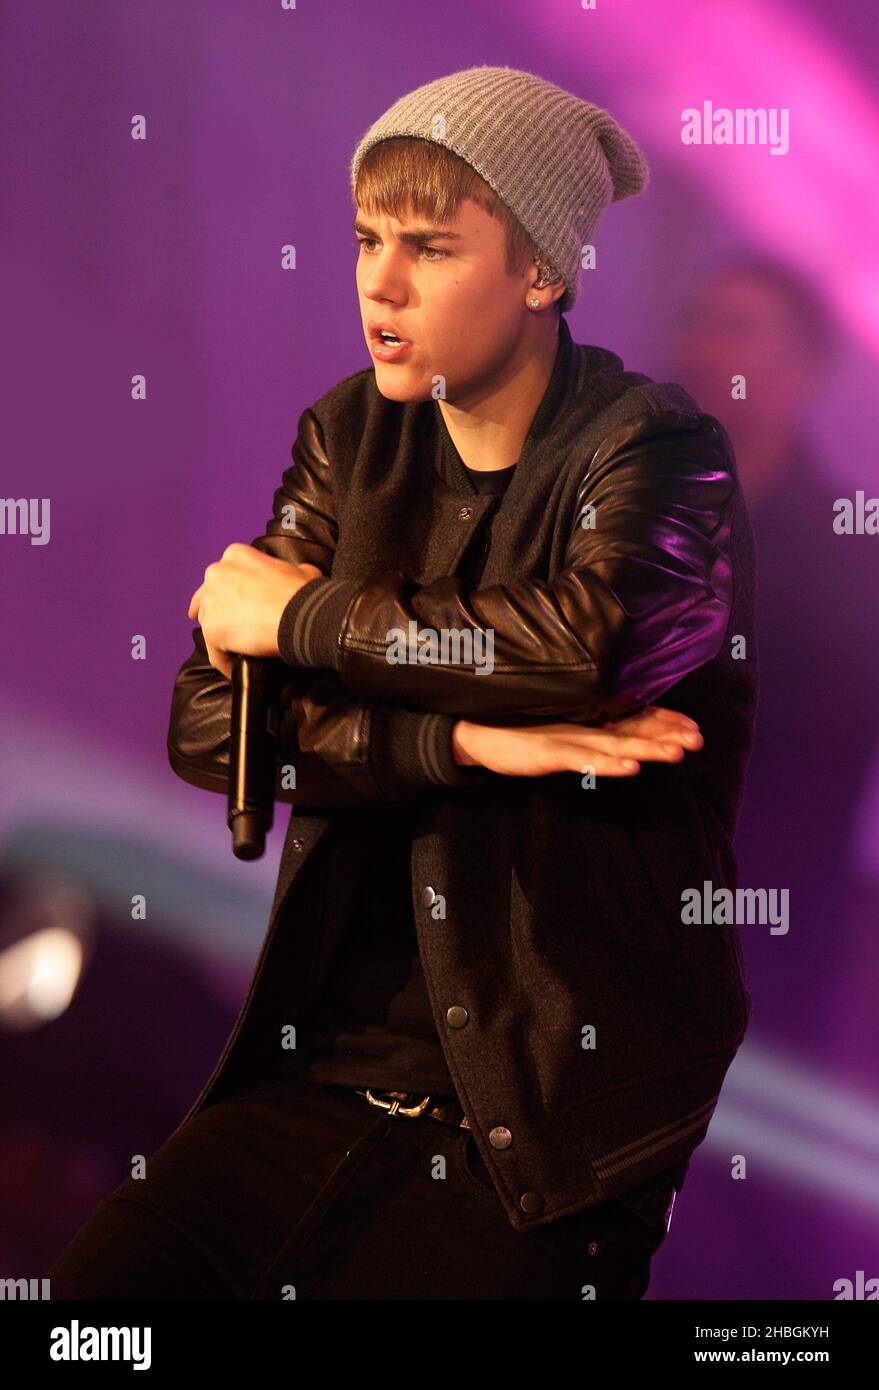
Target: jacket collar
448,461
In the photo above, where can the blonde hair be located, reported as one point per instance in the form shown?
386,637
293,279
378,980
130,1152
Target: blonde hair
404,171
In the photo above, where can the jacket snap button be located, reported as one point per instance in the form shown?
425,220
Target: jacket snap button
297,844
457,1016
428,897
531,1203
465,513
500,1137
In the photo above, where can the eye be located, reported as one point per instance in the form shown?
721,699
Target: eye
436,252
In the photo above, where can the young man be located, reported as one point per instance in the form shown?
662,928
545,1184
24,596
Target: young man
482,1039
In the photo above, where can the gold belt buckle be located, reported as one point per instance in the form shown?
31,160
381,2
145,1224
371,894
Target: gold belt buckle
393,1106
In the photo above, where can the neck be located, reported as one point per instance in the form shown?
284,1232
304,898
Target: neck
488,427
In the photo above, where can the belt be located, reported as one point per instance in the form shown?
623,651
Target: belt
450,1114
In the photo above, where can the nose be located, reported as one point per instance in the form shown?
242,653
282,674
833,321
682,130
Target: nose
381,277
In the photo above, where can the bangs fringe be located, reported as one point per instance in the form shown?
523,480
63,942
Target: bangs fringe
404,174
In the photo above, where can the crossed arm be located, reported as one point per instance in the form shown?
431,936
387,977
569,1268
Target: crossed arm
642,599
345,751
643,596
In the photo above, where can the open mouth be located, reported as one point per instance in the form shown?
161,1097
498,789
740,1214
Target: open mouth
386,346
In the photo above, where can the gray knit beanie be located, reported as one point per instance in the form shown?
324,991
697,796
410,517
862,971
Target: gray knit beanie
556,161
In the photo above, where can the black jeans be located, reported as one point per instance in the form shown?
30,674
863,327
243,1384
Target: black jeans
294,1190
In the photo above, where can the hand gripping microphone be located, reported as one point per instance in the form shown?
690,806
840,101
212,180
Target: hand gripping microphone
252,753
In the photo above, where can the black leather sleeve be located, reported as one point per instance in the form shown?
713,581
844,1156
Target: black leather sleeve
343,750
643,598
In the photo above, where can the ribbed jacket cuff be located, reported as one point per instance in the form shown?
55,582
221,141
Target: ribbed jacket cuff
310,626
414,749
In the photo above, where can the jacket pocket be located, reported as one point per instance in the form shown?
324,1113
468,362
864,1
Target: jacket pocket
680,852
609,986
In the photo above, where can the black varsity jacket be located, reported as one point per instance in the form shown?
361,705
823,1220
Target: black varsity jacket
587,1029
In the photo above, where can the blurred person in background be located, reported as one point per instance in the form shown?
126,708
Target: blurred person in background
818,708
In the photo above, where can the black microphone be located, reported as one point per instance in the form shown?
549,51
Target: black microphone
252,753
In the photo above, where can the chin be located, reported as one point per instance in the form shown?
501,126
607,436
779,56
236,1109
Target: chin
394,386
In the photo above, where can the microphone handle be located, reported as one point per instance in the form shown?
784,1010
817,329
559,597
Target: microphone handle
252,754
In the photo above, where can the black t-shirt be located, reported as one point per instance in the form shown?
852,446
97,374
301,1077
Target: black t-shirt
375,1026
496,480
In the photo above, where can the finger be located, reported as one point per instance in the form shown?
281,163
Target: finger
671,736
602,765
656,731
668,716
220,660
195,602
671,746
616,740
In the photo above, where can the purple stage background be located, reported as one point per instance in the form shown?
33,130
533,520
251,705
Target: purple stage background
162,257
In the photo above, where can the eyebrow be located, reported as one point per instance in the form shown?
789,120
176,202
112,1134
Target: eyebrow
418,234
